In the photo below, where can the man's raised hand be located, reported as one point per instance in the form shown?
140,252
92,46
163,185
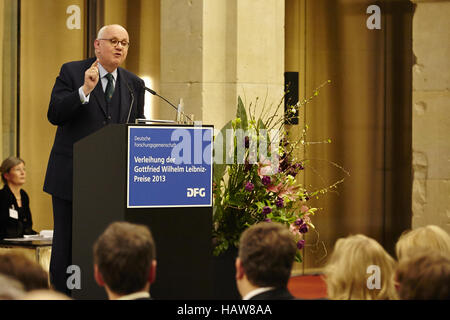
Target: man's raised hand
91,77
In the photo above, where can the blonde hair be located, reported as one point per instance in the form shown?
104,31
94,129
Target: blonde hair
423,238
346,273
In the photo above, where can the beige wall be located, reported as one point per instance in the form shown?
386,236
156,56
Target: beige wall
46,44
116,12
431,114
213,51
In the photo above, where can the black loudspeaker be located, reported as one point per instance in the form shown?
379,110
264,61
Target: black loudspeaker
291,97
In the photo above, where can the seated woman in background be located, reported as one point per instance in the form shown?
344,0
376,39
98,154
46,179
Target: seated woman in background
353,268
427,238
15,215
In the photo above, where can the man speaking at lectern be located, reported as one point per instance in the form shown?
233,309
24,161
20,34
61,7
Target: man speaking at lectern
87,96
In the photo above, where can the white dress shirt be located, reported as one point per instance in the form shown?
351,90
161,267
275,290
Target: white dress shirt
253,293
136,295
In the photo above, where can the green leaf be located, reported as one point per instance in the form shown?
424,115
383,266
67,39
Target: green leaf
219,168
219,171
242,114
261,125
298,257
260,205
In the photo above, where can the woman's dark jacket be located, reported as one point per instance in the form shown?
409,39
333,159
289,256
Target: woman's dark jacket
10,227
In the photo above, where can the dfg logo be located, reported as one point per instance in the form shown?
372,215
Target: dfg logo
194,192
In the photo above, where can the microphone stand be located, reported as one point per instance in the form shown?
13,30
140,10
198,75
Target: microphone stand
155,94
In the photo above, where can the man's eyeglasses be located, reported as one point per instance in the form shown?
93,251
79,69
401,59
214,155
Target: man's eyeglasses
116,42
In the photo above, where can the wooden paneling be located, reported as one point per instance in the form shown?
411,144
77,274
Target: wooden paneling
45,44
329,40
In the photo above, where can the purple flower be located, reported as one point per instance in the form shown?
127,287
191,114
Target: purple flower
306,196
303,228
291,171
266,210
247,142
249,186
284,165
279,202
266,180
268,220
298,222
299,166
300,244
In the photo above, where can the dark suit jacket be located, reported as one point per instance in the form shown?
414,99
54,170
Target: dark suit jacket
274,294
10,227
76,121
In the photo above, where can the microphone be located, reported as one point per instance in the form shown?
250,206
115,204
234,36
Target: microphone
173,106
132,100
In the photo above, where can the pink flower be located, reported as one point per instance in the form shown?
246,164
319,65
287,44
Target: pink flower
304,209
265,167
283,190
273,188
294,229
306,218
289,192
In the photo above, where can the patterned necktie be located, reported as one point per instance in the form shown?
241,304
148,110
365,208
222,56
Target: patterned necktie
109,91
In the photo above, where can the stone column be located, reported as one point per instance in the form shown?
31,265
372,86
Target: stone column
431,114
213,51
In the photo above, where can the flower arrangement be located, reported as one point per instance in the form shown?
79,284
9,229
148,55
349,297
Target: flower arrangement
258,179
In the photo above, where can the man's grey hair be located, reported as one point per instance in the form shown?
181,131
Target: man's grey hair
102,30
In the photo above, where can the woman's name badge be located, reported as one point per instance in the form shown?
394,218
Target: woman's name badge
13,214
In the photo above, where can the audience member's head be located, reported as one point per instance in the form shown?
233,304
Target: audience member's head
426,238
125,259
12,171
356,260
30,273
44,294
266,256
424,276
10,288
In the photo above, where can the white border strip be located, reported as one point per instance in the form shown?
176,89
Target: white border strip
171,206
